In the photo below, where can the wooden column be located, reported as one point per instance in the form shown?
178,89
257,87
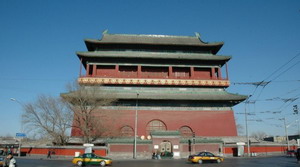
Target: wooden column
117,70
94,70
80,68
139,71
192,73
227,76
170,72
219,73
213,73
87,70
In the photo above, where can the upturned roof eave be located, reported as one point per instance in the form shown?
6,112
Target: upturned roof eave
160,96
153,55
216,46
96,41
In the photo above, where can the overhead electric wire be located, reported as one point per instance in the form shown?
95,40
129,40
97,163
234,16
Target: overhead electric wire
285,71
287,81
270,79
282,66
295,97
291,91
265,82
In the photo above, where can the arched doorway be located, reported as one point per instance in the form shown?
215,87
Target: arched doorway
165,149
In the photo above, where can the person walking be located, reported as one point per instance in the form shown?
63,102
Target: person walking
298,155
10,161
6,162
49,154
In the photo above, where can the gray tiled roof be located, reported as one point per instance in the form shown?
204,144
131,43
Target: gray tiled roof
163,41
165,133
151,39
234,139
164,94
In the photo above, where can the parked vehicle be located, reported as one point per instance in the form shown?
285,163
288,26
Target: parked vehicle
291,153
1,161
91,159
205,157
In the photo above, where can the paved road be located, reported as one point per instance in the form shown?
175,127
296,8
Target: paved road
229,162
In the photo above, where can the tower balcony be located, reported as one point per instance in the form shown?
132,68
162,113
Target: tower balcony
149,75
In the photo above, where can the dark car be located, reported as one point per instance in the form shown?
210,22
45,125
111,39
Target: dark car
291,153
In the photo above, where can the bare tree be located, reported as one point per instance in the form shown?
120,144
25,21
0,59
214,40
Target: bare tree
88,105
240,129
259,135
48,116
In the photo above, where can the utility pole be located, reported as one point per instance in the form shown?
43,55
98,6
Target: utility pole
298,129
246,122
286,134
296,112
135,125
21,137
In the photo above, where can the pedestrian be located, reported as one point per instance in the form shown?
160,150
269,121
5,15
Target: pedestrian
49,154
11,161
6,162
5,152
298,155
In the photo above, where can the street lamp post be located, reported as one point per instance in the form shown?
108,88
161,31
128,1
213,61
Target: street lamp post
295,108
247,134
286,134
246,122
135,124
20,142
298,131
286,130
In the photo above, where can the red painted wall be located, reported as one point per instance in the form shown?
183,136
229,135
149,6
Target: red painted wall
260,149
181,72
129,148
127,72
203,123
148,148
202,73
59,151
151,72
155,72
214,148
105,71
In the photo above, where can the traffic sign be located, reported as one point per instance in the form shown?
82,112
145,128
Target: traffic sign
20,135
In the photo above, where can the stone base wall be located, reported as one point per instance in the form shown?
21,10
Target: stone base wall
61,151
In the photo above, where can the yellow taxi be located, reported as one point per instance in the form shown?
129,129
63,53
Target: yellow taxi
91,159
205,156
1,161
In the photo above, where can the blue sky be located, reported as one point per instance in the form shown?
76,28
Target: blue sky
38,41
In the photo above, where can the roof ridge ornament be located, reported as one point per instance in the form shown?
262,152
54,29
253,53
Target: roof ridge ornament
197,34
105,32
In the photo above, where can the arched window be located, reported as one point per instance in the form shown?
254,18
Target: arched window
127,131
155,125
186,131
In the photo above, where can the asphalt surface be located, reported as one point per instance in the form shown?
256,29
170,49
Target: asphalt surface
279,161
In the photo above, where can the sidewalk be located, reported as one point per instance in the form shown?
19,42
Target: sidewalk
44,157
